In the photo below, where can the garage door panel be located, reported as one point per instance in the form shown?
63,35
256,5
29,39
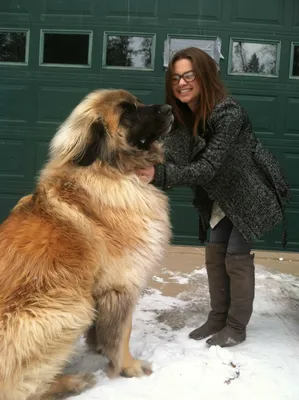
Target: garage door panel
142,9
292,119
12,10
295,21
54,8
14,101
271,13
191,10
289,160
184,219
55,103
13,158
292,215
261,110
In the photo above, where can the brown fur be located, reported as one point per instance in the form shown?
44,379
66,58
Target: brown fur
75,255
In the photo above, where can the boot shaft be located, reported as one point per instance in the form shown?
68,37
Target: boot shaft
241,271
219,286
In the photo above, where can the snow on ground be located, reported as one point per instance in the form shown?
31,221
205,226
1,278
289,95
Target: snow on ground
265,365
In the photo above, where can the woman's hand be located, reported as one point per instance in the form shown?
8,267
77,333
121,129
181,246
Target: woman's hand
146,174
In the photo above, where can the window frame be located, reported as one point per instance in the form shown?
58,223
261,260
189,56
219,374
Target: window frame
123,33
20,64
65,31
257,41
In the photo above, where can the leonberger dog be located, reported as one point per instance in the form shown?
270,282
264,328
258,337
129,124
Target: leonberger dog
76,254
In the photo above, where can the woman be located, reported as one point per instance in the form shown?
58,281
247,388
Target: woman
240,191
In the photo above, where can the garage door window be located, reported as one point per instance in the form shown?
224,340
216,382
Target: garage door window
254,58
133,51
65,49
294,73
14,47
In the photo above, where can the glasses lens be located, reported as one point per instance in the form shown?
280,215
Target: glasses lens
189,77
175,79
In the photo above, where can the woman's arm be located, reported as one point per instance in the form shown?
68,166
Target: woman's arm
226,122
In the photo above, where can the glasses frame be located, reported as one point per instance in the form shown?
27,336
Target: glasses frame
183,76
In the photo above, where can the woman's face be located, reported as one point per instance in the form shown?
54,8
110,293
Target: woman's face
185,88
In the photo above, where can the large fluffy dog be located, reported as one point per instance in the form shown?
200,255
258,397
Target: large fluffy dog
79,250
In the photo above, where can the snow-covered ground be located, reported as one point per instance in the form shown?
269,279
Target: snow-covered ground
265,366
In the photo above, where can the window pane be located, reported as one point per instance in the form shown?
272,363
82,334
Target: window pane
13,46
210,46
254,58
66,48
129,51
296,60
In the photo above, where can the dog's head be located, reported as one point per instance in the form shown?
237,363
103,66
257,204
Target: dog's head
111,126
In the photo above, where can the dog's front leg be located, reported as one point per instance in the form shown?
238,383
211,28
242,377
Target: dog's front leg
110,334
130,366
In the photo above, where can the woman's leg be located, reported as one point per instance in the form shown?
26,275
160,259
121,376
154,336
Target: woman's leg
240,269
218,280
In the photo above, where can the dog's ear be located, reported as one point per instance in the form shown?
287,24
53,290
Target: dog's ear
96,147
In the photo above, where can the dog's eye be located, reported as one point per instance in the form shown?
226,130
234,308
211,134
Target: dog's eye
128,108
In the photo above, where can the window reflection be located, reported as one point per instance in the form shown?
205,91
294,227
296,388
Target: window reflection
129,51
13,47
254,58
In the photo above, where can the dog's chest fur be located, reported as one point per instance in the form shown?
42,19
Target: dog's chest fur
138,242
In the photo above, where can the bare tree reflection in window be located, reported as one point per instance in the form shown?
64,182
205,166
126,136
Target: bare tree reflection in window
254,58
296,61
146,49
269,52
119,53
239,62
12,46
129,51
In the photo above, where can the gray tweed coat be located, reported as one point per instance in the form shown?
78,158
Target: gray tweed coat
227,164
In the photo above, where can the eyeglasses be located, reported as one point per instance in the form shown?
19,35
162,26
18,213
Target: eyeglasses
188,76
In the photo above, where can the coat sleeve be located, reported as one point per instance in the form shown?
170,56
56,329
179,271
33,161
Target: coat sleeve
226,122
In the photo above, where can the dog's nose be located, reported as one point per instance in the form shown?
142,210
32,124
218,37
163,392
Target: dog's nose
166,109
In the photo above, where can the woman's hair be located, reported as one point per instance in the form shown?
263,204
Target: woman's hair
212,89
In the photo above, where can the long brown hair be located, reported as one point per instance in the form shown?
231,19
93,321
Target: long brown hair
212,89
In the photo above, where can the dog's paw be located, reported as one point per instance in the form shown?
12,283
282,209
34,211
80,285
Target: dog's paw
138,368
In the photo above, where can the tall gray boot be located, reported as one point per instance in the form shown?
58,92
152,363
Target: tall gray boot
219,291
241,271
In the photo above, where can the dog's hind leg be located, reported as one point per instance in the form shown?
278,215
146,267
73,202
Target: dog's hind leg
111,333
31,368
68,385
42,383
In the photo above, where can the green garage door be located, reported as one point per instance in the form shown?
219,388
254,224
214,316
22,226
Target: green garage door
54,52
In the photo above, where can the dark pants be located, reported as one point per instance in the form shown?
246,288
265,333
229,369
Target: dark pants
225,232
